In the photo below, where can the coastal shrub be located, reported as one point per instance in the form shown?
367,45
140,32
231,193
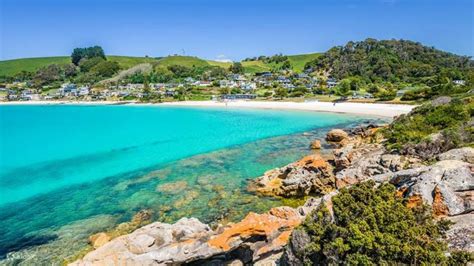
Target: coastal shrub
373,226
451,119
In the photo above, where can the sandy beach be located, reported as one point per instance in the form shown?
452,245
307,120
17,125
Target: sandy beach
374,109
384,110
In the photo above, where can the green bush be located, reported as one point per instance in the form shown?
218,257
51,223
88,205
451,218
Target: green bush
427,119
372,226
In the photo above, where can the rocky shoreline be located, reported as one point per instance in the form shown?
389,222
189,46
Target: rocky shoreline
445,182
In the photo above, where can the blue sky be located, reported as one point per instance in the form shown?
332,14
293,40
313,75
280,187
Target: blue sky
226,29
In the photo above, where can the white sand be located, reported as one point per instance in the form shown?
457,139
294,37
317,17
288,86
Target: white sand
375,109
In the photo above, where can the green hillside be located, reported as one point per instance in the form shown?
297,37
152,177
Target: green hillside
12,67
299,61
187,61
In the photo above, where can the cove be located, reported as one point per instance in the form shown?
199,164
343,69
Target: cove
69,171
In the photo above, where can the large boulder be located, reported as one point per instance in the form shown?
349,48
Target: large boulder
310,175
336,135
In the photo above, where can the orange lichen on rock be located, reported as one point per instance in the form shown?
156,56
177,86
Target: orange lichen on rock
314,161
270,225
439,207
414,201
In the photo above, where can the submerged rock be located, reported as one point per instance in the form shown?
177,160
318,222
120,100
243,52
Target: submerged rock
172,188
316,145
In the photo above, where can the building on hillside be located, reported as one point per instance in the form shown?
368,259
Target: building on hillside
202,83
459,82
189,80
248,86
228,84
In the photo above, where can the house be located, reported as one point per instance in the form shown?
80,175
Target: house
331,83
202,83
238,96
28,95
283,80
302,76
288,86
248,86
158,86
171,92
237,77
189,80
459,82
68,89
227,84
264,74
83,91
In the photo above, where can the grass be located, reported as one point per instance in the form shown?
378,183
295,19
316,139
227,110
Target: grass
299,61
11,67
188,61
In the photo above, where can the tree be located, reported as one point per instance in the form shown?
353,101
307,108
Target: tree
281,93
86,64
47,75
89,52
183,93
344,88
286,65
105,69
236,68
372,226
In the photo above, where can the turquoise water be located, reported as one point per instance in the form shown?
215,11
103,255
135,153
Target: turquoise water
69,171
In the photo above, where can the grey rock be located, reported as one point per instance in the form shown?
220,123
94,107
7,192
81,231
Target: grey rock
452,178
460,236
465,154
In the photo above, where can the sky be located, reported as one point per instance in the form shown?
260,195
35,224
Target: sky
227,29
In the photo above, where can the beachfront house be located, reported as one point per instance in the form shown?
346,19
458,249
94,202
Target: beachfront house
238,96
83,91
331,83
68,89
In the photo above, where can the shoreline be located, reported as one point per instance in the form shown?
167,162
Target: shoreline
373,109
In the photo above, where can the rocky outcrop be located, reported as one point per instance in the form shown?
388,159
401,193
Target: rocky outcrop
310,175
447,185
251,240
428,149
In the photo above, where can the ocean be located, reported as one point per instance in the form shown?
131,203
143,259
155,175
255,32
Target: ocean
68,171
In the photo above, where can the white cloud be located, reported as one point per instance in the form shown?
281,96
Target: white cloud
222,58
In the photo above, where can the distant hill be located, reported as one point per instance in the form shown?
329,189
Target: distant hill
12,67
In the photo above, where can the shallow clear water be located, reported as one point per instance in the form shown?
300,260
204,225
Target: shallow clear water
69,171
